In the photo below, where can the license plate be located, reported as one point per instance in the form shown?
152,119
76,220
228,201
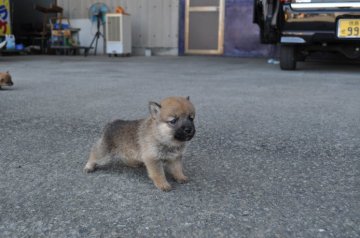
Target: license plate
348,28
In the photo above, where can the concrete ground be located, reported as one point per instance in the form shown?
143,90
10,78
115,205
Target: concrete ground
276,153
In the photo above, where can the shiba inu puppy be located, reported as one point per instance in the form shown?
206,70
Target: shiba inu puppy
158,141
5,79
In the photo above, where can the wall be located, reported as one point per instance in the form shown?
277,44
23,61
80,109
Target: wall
155,25
154,22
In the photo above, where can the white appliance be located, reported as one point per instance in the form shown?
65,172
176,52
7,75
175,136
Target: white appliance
118,34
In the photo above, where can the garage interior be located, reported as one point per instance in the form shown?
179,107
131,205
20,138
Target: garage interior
29,22
161,27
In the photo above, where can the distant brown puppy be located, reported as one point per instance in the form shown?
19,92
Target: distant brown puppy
5,79
157,141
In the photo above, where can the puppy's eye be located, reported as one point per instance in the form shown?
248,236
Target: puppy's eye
173,121
191,118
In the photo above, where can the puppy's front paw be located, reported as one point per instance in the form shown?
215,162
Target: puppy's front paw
89,169
166,187
182,179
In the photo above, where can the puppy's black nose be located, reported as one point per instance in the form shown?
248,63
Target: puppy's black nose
188,130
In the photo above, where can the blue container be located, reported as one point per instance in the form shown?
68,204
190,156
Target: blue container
57,26
19,47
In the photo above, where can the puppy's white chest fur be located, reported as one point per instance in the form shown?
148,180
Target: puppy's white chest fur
169,152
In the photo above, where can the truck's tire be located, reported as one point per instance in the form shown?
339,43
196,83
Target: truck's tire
287,57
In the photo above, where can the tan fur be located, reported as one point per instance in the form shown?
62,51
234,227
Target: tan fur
5,79
151,141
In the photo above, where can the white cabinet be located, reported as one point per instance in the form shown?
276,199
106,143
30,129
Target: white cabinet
118,34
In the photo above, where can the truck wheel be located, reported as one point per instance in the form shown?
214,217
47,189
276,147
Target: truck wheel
287,57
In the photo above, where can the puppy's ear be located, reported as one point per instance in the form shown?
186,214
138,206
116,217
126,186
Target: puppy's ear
188,98
154,109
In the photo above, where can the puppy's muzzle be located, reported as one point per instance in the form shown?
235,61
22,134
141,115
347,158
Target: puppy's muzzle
185,133
10,83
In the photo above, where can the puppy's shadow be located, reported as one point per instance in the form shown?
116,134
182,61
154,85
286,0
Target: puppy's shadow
6,89
116,167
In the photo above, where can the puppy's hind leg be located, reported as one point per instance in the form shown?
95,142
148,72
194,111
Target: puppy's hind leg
91,164
97,157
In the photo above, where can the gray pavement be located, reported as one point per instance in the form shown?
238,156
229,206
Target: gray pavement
276,153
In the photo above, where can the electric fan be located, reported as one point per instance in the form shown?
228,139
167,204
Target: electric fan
97,13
